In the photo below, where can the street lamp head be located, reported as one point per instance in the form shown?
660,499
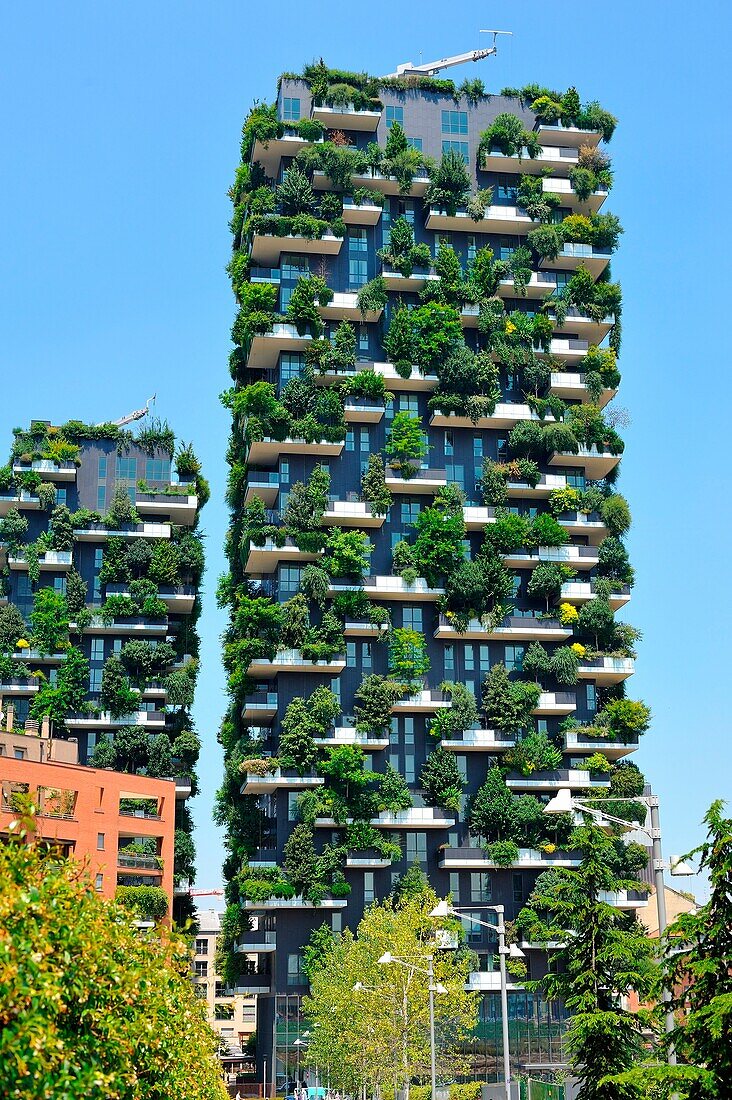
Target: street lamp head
385,958
358,987
438,987
562,803
442,909
515,951
678,866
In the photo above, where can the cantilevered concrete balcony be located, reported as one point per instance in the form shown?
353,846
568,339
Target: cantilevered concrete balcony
597,464
606,670
136,626
263,452
48,469
349,735
267,248
496,219
513,627
624,899
387,587
257,942
405,284
351,513
481,740
529,859
292,660
563,187
149,719
488,981
267,557
178,598
364,213
279,779
579,557
589,526
375,181
21,502
263,484
178,508
505,415
546,484
416,380
579,592
555,703
540,285
576,741
571,349
567,135
53,561
576,778
417,817
270,153
571,386
560,158
424,482
426,701
100,532
260,708
265,348
373,862
293,903
583,326
347,118
573,256
16,688
353,628
344,306
35,657
363,410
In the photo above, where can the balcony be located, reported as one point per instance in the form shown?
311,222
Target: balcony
100,532
149,719
35,655
351,513
265,347
482,740
387,587
572,256
363,214
417,817
292,660
510,220
344,306
294,903
363,410
606,670
579,557
570,386
15,688
407,284
374,862
587,525
426,701
52,561
568,135
267,557
257,943
139,863
263,452
545,485
268,248
49,470
424,482
279,779
354,629
417,382
348,735
505,415
178,598
260,707
488,981
579,592
559,158
575,741
347,118
540,285
554,703
568,348
388,185
529,859
270,153
624,899
262,484
177,508
134,624
570,199
597,464
513,627
576,778
22,502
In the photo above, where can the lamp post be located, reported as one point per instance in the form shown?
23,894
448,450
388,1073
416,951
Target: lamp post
299,1043
442,909
432,988
564,802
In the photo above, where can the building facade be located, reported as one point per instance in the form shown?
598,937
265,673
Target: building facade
426,554
101,561
232,1015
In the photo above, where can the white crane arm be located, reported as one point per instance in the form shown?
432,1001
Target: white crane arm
432,67
136,415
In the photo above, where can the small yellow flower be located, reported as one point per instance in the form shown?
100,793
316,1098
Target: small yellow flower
22,644
510,327
578,648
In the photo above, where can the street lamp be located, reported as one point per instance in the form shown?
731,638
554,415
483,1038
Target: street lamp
299,1043
564,802
442,909
433,987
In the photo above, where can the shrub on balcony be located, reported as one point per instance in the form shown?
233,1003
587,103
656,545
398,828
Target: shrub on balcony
399,341
145,902
596,620
408,659
497,474
374,700
117,696
624,719
508,135
303,721
545,242
545,531
372,297
400,159
49,620
12,627
394,794
546,581
476,588
615,514
468,384
508,704
406,443
309,292
449,184
502,852
67,695
306,504
614,562
461,715
534,753
374,489
122,512
367,384
564,665
537,202
402,253
438,549
347,554
441,780
437,332
295,194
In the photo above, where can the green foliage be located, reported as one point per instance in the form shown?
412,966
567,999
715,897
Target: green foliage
408,660
303,721
69,693
614,562
372,297
406,442
309,292
295,193
374,489
535,752
12,627
373,702
615,514
450,722
503,852
49,620
394,794
441,779
508,704
449,184
347,554
508,135
121,511
117,697
438,549
625,719
596,620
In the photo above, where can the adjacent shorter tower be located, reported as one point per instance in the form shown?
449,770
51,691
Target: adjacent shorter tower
426,552
101,562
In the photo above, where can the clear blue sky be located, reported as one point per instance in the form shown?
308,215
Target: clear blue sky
120,133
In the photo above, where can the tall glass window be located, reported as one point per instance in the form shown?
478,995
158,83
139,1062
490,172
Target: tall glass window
454,122
394,114
291,109
460,147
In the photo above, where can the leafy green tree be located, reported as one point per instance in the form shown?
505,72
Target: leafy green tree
314,584
300,860
625,718
546,581
117,696
295,621
121,512
295,194
438,331
394,794
69,693
545,531
438,549
374,700
450,183
406,441
131,749
461,715
412,884
347,554
62,531
508,704
615,514
606,956
13,529
408,659
614,562
492,808
76,590
184,857
482,585
535,752
596,619
309,292
12,627
81,1013
536,660
160,756
374,489
441,779
565,664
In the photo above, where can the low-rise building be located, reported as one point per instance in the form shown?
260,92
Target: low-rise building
231,1014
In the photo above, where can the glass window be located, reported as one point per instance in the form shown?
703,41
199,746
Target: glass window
295,975
357,240
412,617
364,440
415,143
409,402
97,649
472,248
416,847
95,679
368,887
200,968
289,579
591,697
505,191
410,509
102,469
291,365
449,655
366,658
101,498
202,946
518,887
469,659
449,442
350,654
460,147
100,842
454,122
336,922
126,469
350,440
291,108
99,882
292,797
455,885
61,496
293,266
157,469
456,473
514,658
475,933
59,584
357,272
394,114
481,887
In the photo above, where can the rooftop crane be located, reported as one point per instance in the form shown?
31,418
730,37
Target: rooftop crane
433,67
136,415
204,893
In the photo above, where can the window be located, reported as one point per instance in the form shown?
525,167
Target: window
460,147
472,248
416,847
484,658
409,402
59,584
366,656
505,191
357,240
289,578
469,658
291,109
591,697
202,946
415,143
291,365
514,658
95,679
350,654
449,442
480,887
410,509
455,885
412,617
456,472
454,122
102,469
200,968
363,338
224,1011
502,450
61,496
475,933
98,557
157,469
100,842
293,266
518,887
101,498
357,272
19,754
364,440
99,882
449,654
336,922
394,114
368,887
292,797
506,248
295,975
542,726
126,469
97,649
